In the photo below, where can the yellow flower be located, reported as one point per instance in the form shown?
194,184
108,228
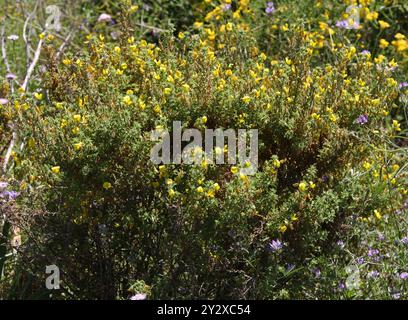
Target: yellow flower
384,44
127,100
283,228
133,8
167,91
276,163
377,214
288,61
312,185
67,62
116,49
107,185
204,119
302,186
186,87
396,125
172,193
234,170
216,186
315,116
198,24
379,59
77,117
294,218
42,35
181,35
367,165
372,16
383,24
59,105
200,190
56,169
246,99
78,146
38,95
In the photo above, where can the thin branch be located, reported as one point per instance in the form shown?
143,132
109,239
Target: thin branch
26,39
64,44
33,64
9,151
3,47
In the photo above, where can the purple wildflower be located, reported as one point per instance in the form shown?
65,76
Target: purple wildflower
138,296
362,119
373,274
13,37
11,76
275,245
270,8
373,252
403,85
11,195
341,244
344,24
380,237
317,272
290,267
3,101
104,17
227,7
366,52
341,286
360,260
404,240
3,185
403,275
396,296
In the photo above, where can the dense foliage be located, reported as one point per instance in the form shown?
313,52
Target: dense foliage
325,216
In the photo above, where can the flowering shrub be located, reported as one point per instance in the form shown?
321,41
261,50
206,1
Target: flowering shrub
323,217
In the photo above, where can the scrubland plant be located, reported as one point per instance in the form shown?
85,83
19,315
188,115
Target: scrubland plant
324,216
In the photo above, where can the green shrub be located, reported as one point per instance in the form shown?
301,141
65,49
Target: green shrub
108,217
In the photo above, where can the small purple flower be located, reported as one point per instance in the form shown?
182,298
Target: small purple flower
404,240
403,275
396,296
317,272
11,195
227,7
3,185
138,296
13,37
270,8
344,24
290,267
275,245
403,85
360,260
373,274
341,286
373,252
341,244
3,101
380,237
366,53
11,76
362,119
104,17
